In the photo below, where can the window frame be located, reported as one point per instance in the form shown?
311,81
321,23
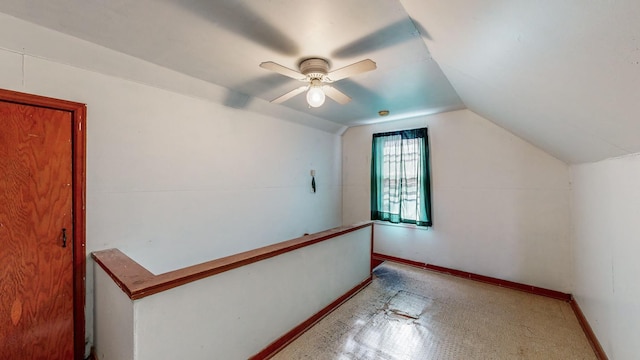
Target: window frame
421,167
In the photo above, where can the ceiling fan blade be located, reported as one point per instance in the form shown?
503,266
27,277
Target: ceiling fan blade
403,30
335,94
289,95
353,69
270,65
234,16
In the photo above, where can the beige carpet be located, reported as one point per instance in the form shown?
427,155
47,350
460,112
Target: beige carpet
409,313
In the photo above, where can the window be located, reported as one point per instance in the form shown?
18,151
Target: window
400,178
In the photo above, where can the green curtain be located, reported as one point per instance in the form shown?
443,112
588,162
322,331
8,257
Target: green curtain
400,177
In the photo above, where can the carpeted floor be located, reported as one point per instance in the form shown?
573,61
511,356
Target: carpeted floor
409,313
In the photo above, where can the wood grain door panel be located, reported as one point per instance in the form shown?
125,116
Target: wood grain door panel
36,193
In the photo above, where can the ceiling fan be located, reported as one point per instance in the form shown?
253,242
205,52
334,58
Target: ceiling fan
315,73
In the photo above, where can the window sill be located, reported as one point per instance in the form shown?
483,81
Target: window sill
402,225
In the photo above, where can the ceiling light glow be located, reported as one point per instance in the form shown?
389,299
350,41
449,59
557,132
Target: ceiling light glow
315,96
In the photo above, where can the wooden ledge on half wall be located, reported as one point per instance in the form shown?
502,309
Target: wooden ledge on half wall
138,282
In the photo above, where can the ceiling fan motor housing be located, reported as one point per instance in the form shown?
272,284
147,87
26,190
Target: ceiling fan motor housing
314,68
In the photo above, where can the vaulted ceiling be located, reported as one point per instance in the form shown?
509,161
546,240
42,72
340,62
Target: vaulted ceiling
564,75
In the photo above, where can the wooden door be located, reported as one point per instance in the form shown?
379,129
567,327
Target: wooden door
38,300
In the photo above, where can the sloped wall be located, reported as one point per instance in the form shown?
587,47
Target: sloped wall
173,176
500,205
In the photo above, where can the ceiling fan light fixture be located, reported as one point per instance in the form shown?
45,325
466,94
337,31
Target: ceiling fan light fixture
315,72
315,96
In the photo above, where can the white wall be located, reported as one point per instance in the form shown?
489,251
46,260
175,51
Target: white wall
500,205
606,228
174,177
114,319
236,314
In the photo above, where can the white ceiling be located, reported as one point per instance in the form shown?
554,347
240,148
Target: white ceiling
562,74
